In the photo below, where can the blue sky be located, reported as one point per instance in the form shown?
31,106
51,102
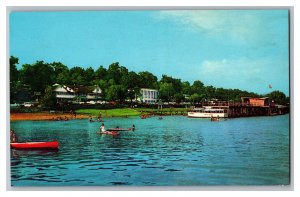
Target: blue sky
244,49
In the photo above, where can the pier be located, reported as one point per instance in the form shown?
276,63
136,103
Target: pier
246,108
249,107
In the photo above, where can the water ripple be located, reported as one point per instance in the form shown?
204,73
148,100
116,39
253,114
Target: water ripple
243,151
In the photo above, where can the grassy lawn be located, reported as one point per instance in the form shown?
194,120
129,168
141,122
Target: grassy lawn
109,112
125,111
163,109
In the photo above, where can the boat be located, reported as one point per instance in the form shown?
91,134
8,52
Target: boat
117,129
35,145
208,112
114,133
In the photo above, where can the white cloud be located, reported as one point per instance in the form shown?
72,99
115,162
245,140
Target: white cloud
242,67
243,73
239,26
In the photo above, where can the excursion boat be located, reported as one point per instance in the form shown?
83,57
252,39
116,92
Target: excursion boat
208,112
35,145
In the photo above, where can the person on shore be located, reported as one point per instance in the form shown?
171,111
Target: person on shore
71,113
13,136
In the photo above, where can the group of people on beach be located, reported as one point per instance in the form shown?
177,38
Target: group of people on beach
59,118
65,118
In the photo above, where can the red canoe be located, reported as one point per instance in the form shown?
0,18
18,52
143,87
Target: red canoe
35,145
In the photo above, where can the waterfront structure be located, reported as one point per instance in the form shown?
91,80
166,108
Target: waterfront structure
88,93
265,101
248,107
69,93
63,92
95,93
148,95
208,112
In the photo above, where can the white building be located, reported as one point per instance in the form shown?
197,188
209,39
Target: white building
149,95
63,92
95,94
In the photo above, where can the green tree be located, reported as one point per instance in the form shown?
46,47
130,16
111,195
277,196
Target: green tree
38,76
166,91
130,80
48,99
77,76
116,93
61,73
210,92
196,98
114,72
89,76
197,87
175,82
186,88
148,80
278,97
101,73
58,68
13,71
178,97
13,78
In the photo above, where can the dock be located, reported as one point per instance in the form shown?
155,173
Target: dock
245,109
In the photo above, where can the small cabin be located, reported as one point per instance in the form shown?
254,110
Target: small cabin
265,101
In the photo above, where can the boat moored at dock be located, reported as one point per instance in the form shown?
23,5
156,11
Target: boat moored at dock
208,112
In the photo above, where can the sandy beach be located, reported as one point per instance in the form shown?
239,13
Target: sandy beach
42,116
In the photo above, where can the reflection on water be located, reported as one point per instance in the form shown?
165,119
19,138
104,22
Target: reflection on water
173,151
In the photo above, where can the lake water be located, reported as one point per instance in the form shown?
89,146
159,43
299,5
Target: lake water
175,151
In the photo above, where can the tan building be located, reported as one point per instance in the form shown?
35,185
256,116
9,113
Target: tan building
265,101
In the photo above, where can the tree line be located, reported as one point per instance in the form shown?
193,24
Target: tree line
119,84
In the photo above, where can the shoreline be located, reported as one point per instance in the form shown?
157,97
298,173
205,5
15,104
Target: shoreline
43,116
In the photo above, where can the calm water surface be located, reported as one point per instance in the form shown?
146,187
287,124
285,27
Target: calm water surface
175,151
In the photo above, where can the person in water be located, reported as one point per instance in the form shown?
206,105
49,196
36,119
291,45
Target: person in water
13,136
102,128
91,119
133,127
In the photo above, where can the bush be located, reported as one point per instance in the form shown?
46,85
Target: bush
25,109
